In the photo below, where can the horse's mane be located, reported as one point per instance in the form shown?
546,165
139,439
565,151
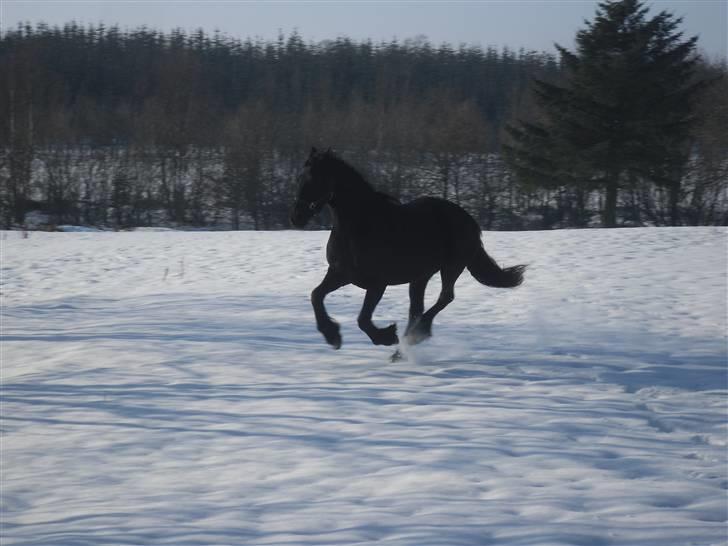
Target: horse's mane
352,175
346,171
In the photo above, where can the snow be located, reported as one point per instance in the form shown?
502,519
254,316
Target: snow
78,229
171,388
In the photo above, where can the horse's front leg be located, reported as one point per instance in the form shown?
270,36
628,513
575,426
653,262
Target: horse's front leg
379,336
325,324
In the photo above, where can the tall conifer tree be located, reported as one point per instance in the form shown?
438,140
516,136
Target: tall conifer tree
623,113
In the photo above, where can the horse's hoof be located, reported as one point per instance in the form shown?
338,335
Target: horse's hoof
397,356
418,334
332,335
334,340
387,336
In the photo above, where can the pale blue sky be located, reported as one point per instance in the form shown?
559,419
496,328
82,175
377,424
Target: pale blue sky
532,24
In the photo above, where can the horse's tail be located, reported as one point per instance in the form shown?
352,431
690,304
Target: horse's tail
486,271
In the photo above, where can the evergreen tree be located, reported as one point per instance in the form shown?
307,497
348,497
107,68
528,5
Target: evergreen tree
624,112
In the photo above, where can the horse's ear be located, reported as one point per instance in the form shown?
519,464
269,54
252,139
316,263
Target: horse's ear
314,151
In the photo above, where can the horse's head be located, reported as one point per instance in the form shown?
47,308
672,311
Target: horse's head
315,188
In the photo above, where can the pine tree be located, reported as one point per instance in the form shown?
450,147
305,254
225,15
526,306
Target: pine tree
624,112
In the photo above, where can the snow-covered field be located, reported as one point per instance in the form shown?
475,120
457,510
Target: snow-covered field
171,388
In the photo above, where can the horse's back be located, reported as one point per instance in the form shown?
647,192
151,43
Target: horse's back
397,243
452,223
439,230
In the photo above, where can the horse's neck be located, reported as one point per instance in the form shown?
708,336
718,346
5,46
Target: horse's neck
351,191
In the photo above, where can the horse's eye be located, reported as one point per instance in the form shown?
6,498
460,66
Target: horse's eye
312,206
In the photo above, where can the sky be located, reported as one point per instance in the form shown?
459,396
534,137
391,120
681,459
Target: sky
529,24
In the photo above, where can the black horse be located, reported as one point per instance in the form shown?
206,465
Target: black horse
376,241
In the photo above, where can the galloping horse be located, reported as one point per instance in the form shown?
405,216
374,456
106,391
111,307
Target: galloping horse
376,241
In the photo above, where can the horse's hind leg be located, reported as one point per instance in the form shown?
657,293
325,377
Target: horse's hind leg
417,302
328,327
417,307
379,336
423,327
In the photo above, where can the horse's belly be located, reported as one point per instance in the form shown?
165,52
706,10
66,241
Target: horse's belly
384,268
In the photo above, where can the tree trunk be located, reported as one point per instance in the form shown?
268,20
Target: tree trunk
580,220
674,203
610,204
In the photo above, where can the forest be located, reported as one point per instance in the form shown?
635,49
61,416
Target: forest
117,129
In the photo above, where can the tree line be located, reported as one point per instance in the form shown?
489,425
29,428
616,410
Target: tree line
101,126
